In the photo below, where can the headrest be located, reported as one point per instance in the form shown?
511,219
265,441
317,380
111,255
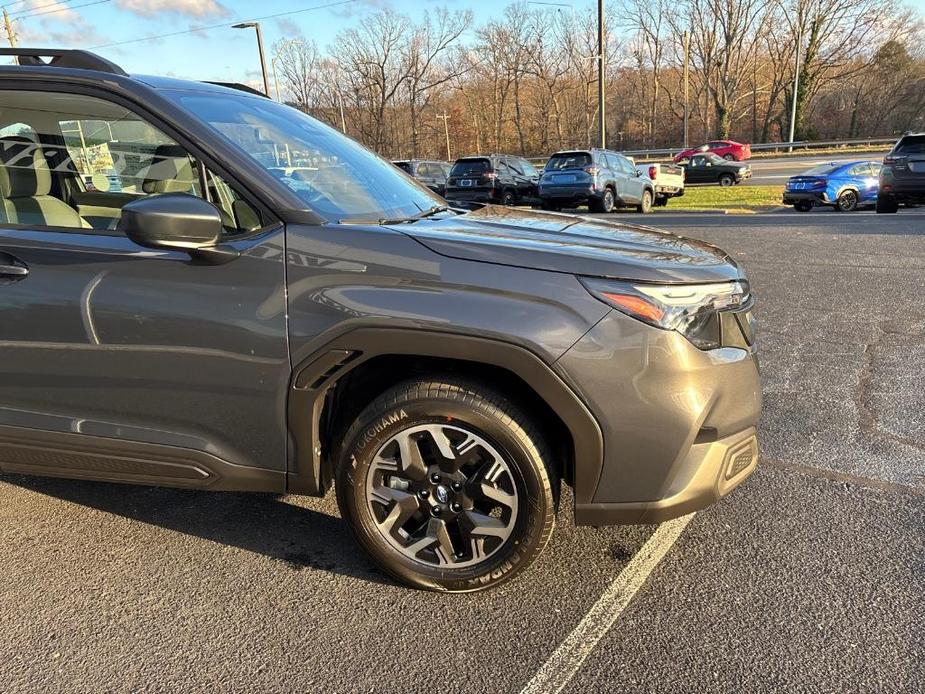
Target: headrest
171,171
24,172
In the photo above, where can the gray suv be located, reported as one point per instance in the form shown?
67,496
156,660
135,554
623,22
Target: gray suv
208,324
601,179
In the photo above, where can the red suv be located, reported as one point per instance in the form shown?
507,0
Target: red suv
730,150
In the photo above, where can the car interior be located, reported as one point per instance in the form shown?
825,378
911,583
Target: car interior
72,161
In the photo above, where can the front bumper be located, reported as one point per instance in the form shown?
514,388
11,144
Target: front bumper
678,423
716,469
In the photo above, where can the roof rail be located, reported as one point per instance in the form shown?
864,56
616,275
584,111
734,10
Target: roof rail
240,87
81,60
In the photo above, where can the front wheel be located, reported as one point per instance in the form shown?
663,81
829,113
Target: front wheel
729,157
645,206
727,180
507,198
447,485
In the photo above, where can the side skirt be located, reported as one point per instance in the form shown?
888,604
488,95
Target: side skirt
79,456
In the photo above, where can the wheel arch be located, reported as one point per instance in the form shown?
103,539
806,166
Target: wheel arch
315,404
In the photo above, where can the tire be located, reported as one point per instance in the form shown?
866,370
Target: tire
608,202
803,206
479,428
887,206
729,157
727,180
660,201
847,201
507,198
645,207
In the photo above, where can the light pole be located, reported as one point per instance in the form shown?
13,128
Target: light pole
446,130
263,59
796,84
601,69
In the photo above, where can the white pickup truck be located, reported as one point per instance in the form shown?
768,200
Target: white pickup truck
668,180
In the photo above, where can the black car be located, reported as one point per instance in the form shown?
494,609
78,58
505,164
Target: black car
902,178
599,178
219,326
432,174
503,179
712,168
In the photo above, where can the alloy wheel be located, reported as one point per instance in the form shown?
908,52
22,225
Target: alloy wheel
847,201
442,495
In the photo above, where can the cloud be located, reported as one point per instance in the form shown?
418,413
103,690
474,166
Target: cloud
288,28
59,25
200,9
357,8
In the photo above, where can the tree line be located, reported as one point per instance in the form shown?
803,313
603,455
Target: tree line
527,83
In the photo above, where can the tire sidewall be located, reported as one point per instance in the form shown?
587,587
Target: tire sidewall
531,528
607,201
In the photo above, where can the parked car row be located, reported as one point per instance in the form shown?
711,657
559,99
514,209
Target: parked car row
603,180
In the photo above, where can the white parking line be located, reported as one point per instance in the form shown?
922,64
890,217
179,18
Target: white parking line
565,661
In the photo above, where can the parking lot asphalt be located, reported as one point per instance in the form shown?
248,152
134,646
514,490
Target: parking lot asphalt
810,577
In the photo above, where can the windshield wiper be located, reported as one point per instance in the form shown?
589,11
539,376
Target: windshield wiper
436,209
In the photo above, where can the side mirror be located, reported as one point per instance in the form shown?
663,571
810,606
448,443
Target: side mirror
177,222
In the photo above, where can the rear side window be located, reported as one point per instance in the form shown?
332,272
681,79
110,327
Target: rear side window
911,144
859,170
470,167
626,165
568,160
821,170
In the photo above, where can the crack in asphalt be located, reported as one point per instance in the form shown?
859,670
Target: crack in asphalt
868,418
842,477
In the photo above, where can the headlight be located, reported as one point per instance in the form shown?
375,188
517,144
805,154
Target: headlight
690,309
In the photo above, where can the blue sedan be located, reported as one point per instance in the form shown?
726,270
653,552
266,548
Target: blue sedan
846,186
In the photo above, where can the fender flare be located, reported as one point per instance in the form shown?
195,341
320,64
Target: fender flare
318,373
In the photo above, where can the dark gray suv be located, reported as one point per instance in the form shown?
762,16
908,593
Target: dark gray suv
208,324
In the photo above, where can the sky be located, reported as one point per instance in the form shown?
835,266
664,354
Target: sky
216,52
219,53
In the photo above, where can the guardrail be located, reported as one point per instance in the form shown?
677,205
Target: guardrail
647,154
776,146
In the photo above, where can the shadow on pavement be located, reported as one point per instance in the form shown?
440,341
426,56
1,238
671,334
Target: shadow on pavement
266,524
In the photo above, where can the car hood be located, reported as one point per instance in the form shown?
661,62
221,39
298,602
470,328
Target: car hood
574,245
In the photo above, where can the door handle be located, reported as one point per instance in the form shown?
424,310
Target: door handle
12,269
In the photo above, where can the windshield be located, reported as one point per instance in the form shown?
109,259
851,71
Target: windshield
912,144
469,167
335,176
568,160
821,170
